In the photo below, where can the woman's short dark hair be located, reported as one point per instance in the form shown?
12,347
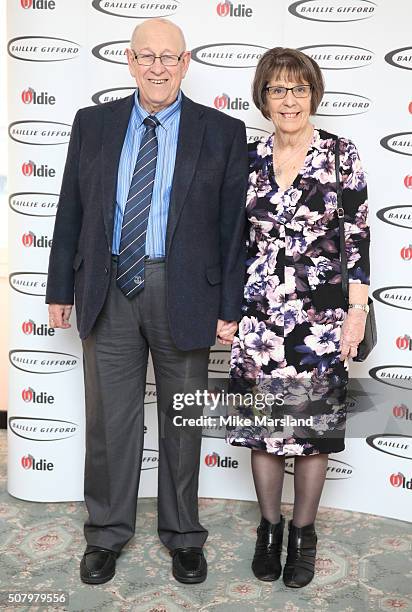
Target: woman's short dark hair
287,63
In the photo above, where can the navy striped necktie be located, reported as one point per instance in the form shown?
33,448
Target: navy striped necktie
130,265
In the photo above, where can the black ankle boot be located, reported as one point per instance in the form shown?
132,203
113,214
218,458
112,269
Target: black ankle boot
300,562
266,561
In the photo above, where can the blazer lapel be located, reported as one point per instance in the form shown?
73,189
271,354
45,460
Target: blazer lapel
116,120
191,130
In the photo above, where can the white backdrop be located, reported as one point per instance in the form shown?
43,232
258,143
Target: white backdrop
64,54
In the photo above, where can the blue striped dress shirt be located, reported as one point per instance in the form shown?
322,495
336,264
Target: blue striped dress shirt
167,135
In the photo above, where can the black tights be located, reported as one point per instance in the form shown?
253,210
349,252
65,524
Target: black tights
310,472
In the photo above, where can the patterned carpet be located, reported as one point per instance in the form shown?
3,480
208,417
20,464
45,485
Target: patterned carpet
364,562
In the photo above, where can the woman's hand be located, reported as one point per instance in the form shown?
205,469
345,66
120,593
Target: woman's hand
353,330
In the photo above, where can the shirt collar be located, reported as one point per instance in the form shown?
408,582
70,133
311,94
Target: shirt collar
164,116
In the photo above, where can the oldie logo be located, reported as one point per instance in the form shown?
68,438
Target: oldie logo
37,132
333,10
30,168
150,459
401,411
215,460
34,204
229,55
30,96
31,328
342,104
42,49
336,469
42,430
38,4
114,52
137,9
339,57
228,9
30,395
43,362
29,239
256,134
400,58
109,95
225,102
395,375
28,462
397,296
392,444
29,283
398,143
401,216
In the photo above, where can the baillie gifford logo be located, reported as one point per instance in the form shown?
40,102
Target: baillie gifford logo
400,58
29,239
214,460
229,55
38,4
399,481
42,49
30,96
137,9
225,102
339,57
333,11
228,9
28,462
400,216
398,143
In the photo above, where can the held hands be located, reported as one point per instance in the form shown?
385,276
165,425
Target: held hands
353,330
225,331
59,315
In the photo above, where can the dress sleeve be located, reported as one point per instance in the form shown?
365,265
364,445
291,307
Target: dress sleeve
355,202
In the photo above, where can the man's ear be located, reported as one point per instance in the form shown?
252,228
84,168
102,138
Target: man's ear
130,61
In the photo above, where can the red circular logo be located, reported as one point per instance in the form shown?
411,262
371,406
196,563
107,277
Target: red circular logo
406,253
27,168
27,461
396,480
223,9
27,327
402,342
26,3
399,411
408,181
27,395
410,107
27,239
27,95
211,459
220,102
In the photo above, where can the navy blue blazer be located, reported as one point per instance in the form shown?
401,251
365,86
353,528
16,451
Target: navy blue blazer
205,237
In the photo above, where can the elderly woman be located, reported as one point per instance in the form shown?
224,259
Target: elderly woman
297,333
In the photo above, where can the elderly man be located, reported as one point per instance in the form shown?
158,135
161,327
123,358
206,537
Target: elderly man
149,239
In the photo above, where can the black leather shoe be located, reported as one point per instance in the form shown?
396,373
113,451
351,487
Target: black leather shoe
266,561
300,562
98,565
189,564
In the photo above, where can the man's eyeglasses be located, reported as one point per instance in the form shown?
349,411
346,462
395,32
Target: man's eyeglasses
276,92
148,59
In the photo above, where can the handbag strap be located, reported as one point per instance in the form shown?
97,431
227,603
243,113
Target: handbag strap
341,215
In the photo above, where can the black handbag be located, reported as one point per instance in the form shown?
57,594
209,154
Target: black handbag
370,337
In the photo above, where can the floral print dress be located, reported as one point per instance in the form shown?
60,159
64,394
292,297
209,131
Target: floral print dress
287,345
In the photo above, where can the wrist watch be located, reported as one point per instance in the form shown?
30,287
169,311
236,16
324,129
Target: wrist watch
364,307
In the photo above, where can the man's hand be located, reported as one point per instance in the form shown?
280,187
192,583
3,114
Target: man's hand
225,331
59,315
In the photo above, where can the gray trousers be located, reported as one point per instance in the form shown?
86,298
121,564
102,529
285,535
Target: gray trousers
115,364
